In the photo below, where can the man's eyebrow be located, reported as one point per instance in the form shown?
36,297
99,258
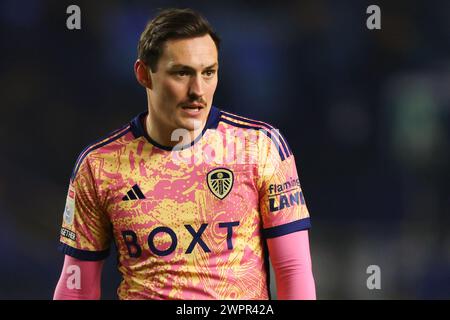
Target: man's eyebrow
185,67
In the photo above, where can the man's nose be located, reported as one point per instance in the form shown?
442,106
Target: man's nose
196,87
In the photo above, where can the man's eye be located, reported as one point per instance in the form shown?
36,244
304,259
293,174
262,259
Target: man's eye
181,73
210,73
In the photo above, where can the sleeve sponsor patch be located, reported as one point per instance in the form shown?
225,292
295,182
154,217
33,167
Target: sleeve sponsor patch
68,234
70,206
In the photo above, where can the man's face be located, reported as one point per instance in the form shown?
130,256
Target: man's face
184,83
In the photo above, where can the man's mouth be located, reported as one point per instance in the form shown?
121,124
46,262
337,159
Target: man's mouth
193,107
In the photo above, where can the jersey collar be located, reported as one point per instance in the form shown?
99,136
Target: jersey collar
138,130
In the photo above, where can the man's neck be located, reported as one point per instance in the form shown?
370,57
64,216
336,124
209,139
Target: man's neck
163,135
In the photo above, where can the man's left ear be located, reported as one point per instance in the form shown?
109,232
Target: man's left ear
142,73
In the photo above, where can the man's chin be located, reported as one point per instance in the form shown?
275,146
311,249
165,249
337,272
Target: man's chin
192,124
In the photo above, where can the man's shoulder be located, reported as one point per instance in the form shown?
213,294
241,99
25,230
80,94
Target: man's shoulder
104,144
262,129
244,122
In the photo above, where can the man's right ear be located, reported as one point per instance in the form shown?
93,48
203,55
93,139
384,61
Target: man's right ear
142,73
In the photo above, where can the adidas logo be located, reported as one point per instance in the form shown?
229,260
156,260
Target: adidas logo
133,194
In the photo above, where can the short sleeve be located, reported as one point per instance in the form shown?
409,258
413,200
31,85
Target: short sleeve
86,229
282,203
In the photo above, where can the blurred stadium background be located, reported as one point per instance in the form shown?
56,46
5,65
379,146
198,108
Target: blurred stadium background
366,113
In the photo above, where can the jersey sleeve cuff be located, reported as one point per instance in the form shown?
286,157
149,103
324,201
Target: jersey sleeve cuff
84,255
287,228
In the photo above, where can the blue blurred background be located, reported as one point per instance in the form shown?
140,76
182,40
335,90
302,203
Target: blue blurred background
365,112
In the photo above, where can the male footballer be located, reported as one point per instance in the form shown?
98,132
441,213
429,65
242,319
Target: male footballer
196,199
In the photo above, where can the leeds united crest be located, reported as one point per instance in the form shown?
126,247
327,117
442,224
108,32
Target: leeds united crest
220,182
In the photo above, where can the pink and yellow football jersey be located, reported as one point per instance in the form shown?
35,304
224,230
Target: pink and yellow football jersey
189,222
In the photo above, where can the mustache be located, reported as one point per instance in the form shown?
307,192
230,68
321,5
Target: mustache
190,103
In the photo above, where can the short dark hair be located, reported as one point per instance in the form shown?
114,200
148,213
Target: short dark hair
171,23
